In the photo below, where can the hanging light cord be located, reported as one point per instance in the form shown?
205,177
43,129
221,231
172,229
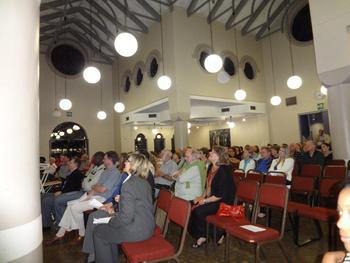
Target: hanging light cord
101,95
118,80
236,48
272,66
290,45
65,87
55,91
211,31
161,37
125,14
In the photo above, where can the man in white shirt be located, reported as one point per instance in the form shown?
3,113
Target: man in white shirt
163,175
188,180
91,179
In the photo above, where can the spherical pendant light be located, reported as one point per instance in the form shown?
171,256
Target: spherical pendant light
125,44
240,94
76,127
57,137
65,104
275,100
164,82
119,107
56,113
92,75
323,90
189,125
61,133
231,124
101,115
213,63
294,82
69,131
188,131
154,131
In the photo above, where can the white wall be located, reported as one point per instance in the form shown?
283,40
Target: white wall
86,102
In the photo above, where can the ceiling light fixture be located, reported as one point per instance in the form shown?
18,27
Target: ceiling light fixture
119,106
212,63
76,127
101,114
56,112
231,124
65,104
294,81
164,82
240,94
275,100
154,130
323,90
69,131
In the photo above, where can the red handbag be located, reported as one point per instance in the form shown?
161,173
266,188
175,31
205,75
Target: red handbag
234,211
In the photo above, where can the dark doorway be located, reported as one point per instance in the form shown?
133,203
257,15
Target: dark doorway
159,143
140,143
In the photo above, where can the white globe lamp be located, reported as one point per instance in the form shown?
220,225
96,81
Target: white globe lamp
76,127
119,107
125,44
164,82
61,133
323,90
189,125
65,104
101,115
275,100
231,124
154,131
69,131
92,75
294,82
213,63
240,94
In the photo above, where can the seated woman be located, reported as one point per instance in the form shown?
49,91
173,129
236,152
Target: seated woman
327,153
344,228
219,188
247,162
134,220
283,164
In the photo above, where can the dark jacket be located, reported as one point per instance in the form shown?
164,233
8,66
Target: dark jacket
72,182
316,158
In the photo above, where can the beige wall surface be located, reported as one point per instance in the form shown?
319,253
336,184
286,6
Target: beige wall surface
86,103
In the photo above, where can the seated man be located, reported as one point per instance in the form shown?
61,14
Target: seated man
310,155
63,170
73,217
168,167
263,164
190,179
92,177
72,184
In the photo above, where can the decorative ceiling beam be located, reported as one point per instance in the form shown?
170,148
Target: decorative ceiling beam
132,17
271,18
214,10
254,16
149,9
57,3
193,8
236,11
58,14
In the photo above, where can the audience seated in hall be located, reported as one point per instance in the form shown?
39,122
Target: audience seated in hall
219,188
263,164
283,164
91,178
274,151
327,153
72,184
232,155
133,221
255,152
190,180
163,175
311,155
84,166
247,163
295,151
73,217
63,170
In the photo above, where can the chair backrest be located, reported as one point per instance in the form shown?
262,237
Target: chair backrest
179,213
336,162
348,165
247,192
330,187
164,200
255,176
311,170
275,177
238,175
334,171
274,196
302,185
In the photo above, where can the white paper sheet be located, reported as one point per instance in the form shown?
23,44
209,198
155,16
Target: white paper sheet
103,220
253,228
95,204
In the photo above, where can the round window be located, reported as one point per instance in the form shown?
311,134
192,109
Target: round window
229,66
127,84
139,77
301,28
67,59
153,69
202,56
249,71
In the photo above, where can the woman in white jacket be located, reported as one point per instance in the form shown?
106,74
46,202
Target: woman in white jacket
283,164
247,163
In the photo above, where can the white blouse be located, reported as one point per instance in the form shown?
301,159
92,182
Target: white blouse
285,166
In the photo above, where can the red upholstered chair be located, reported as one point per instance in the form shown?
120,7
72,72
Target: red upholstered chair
275,197
163,203
334,171
276,178
311,170
336,162
329,190
157,248
238,175
304,186
247,192
255,176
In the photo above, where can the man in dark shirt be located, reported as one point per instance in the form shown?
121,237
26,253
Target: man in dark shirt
264,162
71,184
310,155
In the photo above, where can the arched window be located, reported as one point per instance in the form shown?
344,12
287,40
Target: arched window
159,143
200,54
138,73
126,81
68,137
140,142
152,63
250,69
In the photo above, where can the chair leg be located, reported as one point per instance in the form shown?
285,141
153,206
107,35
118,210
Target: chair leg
207,237
214,238
257,253
284,251
227,249
317,238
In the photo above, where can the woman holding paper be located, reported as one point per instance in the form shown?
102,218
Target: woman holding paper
133,222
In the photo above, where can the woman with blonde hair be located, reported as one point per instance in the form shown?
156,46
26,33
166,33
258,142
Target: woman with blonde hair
219,188
133,221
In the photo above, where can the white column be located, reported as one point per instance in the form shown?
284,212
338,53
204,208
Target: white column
20,216
180,134
339,115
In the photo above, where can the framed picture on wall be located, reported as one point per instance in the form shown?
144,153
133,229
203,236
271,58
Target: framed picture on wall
220,137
